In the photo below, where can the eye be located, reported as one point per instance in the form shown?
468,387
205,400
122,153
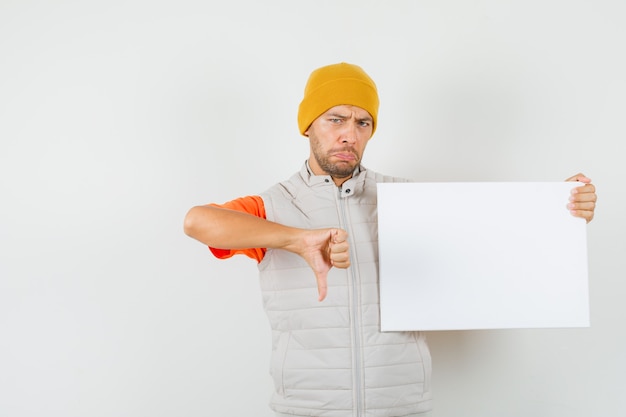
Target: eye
364,123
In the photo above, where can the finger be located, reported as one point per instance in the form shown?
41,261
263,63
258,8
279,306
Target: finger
582,205
341,264
339,252
580,177
339,247
583,198
340,260
583,189
339,236
586,206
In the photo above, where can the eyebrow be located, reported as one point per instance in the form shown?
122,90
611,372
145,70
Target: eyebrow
338,115
343,116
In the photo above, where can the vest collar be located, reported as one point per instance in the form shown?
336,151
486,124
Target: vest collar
352,186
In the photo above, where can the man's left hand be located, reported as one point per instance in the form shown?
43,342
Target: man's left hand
582,201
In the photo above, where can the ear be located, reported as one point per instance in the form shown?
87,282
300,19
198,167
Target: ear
306,133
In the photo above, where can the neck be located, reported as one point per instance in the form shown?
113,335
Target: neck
339,181
316,170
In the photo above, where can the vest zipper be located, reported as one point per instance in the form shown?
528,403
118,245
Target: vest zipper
355,308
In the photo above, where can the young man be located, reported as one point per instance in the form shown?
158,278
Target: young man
315,239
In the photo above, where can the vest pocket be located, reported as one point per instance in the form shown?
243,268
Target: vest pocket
278,362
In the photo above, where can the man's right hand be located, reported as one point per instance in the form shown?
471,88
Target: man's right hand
230,229
323,249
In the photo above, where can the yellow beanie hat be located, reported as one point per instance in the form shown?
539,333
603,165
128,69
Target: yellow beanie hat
334,85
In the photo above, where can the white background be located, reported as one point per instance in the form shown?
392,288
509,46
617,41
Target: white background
117,116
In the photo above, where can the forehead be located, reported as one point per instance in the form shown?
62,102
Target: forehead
348,110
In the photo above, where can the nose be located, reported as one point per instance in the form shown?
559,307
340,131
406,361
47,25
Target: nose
349,134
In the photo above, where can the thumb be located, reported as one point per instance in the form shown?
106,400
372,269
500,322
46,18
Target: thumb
322,284
579,178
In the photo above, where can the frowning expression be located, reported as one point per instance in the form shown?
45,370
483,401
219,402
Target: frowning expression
338,139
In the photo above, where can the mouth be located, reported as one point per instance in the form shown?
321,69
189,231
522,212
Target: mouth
345,156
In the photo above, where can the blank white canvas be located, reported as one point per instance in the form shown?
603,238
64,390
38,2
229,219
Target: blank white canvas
481,256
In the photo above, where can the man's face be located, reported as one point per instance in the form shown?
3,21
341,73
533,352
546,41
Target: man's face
338,138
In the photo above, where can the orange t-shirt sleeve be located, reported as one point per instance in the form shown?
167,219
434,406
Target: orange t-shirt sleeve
252,205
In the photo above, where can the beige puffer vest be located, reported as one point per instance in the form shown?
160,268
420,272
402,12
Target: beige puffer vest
330,358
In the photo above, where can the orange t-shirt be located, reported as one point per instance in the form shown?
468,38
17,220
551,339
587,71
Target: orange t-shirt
251,205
